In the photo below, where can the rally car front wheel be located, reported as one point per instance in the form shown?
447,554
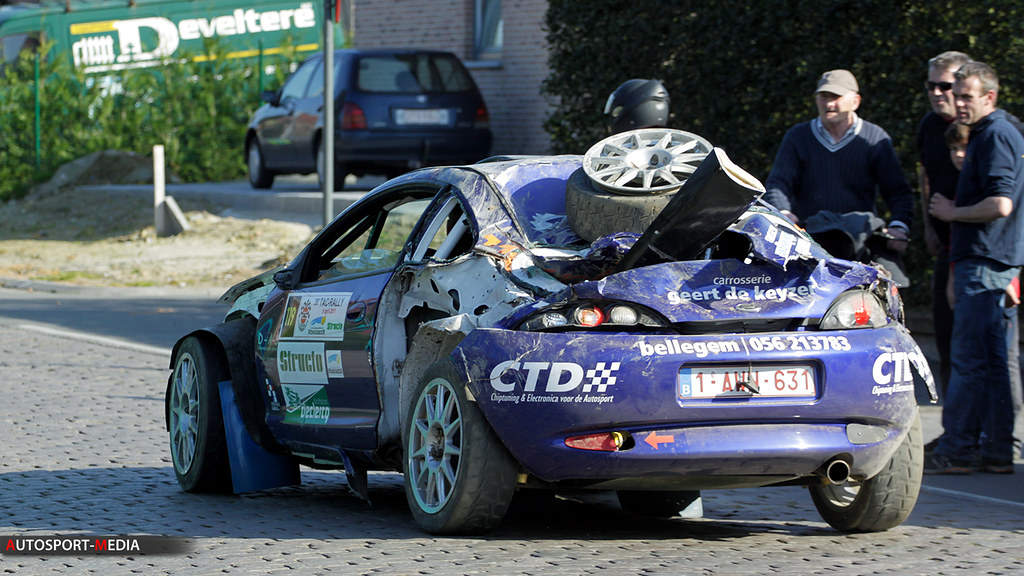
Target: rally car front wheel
881,502
459,478
198,447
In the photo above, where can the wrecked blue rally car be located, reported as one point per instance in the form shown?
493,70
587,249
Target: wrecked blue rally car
632,320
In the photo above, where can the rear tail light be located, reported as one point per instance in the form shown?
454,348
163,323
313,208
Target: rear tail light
352,117
592,315
855,309
589,316
482,119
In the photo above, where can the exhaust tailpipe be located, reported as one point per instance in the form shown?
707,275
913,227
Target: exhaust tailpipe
837,471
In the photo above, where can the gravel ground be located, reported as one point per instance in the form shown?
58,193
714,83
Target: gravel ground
61,233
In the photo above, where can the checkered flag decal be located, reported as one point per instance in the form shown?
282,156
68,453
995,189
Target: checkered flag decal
600,377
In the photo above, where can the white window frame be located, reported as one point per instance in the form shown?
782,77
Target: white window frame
487,46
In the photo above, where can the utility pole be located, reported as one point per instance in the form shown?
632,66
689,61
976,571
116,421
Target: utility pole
328,137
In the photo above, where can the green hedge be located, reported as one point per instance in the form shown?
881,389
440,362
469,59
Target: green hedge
196,108
740,73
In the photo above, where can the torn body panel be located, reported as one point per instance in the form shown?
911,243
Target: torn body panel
434,306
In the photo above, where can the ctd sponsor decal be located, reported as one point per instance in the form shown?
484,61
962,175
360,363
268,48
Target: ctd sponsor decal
892,374
516,382
302,363
315,316
306,404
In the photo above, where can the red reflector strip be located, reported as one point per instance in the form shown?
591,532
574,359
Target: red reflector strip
604,442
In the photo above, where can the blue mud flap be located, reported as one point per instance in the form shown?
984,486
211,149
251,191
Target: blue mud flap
252,467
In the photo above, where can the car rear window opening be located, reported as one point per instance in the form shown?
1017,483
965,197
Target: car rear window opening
412,74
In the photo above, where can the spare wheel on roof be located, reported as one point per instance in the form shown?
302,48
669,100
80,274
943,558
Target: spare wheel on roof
627,179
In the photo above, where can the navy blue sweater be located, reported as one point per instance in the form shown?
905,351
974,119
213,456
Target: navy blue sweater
807,178
994,166
942,174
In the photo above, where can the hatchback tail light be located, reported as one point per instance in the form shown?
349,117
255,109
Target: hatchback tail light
352,117
482,119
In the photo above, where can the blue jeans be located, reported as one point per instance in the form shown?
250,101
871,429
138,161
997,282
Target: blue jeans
942,319
979,395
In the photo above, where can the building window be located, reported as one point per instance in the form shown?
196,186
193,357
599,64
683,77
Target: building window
488,28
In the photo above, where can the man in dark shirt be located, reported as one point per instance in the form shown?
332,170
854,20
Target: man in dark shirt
987,251
839,162
937,175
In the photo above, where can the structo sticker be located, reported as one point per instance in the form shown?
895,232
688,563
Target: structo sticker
301,363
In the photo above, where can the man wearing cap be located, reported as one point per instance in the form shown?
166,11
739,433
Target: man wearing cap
838,162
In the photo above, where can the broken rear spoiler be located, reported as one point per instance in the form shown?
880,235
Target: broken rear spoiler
714,197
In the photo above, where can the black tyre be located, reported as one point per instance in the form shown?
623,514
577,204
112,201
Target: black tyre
594,212
656,504
459,478
259,177
198,447
340,171
881,502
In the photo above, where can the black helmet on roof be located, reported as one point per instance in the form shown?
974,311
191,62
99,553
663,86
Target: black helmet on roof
637,103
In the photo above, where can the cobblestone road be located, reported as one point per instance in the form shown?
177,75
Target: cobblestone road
84,452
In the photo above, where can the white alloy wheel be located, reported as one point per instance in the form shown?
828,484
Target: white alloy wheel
435,446
459,478
184,413
647,161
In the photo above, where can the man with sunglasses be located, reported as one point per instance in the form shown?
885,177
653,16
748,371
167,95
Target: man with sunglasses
987,252
938,175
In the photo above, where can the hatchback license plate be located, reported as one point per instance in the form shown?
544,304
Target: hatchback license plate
781,381
421,116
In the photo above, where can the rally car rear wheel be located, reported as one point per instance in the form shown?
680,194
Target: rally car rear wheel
198,447
881,502
459,478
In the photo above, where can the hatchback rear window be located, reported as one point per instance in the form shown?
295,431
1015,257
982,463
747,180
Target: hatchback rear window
412,74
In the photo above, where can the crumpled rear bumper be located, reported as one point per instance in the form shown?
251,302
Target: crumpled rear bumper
538,389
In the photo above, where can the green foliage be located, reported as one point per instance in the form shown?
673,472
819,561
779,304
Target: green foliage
197,107
740,73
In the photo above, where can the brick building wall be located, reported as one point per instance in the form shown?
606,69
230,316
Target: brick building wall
510,84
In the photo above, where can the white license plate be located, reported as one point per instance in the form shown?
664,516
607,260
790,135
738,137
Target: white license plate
782,381
421,116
